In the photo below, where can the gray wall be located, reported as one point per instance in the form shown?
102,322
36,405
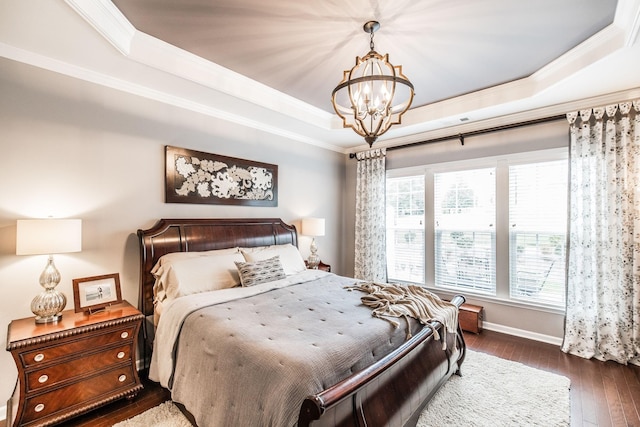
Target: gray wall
78,150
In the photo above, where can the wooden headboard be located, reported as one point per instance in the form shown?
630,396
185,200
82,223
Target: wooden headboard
193,235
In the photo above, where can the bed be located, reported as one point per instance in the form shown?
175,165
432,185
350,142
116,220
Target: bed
387,386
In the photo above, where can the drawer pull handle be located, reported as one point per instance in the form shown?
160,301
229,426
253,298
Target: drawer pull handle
120,354
125,334
122,378
39,357
39,407
43,378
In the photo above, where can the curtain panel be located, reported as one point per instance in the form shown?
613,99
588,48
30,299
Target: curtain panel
370,237
603,274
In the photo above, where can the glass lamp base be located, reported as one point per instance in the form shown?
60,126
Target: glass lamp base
48,305
49,319
313,261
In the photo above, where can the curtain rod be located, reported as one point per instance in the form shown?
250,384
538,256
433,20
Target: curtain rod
462,136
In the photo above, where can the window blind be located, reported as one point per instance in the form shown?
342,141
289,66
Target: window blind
538,231
405,229
464,225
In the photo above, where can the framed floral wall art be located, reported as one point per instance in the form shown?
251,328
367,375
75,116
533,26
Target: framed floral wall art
197,177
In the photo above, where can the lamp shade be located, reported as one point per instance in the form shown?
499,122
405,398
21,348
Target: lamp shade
48,236
313,226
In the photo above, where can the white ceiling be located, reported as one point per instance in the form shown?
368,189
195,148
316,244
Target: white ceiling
447,48
272,65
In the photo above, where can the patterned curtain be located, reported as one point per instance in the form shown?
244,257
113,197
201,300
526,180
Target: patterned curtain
370,256
603,280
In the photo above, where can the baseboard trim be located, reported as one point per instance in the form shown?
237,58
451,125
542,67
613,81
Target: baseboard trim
522,333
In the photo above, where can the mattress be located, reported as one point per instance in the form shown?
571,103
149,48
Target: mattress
250,356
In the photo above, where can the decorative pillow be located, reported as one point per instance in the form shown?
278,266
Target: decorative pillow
177,276
266,270
290,257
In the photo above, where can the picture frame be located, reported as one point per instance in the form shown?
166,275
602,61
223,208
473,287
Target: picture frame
91,294
197,177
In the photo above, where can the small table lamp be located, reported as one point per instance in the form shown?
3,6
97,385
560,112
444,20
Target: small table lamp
48,237
313,227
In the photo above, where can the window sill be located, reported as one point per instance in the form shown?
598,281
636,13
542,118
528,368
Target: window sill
450,293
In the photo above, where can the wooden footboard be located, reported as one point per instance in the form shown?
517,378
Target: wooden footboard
393,391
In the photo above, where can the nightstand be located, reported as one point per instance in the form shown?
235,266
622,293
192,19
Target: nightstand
470,318
322,266
72,366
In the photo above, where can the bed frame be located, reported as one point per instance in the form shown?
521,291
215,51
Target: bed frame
391,392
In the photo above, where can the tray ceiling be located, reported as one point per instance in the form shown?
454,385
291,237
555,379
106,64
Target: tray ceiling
271,66
447,48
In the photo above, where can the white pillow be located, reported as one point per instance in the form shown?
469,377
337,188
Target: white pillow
179,276
290,257
177,256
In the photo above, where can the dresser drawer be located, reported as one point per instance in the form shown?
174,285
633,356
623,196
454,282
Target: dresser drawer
75,346
75,368
94,389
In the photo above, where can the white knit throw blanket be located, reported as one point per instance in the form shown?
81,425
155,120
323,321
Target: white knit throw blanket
393,300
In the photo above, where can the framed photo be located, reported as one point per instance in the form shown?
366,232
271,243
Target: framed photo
95,293
197,177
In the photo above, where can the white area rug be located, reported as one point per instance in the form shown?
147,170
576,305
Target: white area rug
492,392
497,392
164,415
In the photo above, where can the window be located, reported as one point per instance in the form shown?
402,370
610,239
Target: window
538,231
405,229
494,227
464,224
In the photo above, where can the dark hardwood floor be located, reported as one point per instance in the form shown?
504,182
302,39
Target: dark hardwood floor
602,394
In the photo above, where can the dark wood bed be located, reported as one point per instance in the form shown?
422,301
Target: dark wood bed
391,392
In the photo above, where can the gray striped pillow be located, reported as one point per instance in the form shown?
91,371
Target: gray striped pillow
266,270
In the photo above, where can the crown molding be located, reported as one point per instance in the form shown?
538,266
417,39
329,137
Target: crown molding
587,53
162,56
109,22
92,76
592,50
627,18
508,119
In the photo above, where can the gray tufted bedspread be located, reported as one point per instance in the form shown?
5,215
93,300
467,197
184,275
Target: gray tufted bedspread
252,361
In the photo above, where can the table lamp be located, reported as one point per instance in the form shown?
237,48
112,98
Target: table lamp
48,237
313,227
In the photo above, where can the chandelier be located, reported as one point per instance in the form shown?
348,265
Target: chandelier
374,94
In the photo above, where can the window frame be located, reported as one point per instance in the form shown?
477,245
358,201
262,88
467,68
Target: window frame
513,236
490,230
501,163
420,173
